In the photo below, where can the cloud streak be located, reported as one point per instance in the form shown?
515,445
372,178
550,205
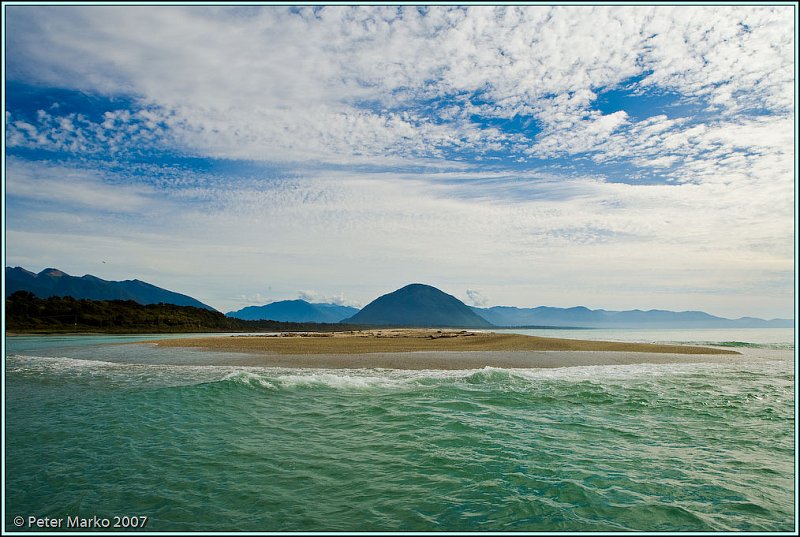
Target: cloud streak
317,230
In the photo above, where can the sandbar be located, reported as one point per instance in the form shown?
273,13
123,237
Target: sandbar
439,349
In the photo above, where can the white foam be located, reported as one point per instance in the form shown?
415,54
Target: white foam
248,378
273,378
22,362
342,380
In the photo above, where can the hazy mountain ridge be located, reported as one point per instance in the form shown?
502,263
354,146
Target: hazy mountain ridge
413,305
581,316
299,311
53,282
418,305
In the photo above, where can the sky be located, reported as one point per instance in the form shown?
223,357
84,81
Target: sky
615,157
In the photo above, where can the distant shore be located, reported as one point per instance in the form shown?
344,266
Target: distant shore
440,349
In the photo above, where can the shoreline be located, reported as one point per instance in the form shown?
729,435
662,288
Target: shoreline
439,349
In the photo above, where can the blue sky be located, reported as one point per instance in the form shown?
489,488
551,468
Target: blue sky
615,157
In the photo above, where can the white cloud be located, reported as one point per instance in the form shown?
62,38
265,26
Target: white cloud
120,132
740,56
659,162
476,298
319,298
248,87
572,135
74,188
255,299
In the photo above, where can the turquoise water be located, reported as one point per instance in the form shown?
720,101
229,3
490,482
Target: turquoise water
96,429
769,338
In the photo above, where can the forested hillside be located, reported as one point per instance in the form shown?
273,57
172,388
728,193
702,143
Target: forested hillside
27,313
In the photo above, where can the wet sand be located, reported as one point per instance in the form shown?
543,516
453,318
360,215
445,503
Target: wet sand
440,349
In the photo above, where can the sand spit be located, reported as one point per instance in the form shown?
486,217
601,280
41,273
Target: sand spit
440,349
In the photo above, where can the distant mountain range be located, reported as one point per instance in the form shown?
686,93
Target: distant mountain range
413,305
295,311
418,305
584,317
53,282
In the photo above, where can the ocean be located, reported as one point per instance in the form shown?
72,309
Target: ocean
183,440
